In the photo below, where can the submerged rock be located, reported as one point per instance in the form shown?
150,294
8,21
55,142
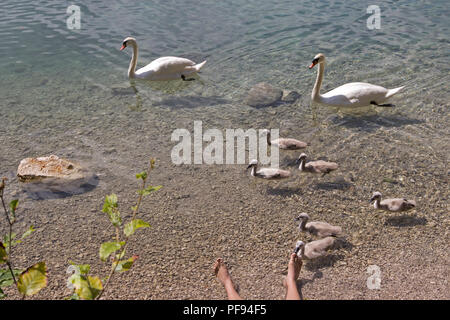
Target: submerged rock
53,177
264,95
48,167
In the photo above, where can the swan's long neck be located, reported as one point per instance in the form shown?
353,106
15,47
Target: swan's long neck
253,173
377,203
302,252
315,96
302,164
133,62
302,225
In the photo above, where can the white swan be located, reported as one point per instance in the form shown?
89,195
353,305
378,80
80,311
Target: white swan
355,94
164,68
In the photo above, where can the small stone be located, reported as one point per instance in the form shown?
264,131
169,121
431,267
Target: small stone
290,96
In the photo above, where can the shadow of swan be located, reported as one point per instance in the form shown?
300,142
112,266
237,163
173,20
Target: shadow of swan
373,122
323,262
405,221
191,101
339,184
283,192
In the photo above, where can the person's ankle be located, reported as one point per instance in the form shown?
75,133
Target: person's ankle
291,282
228,282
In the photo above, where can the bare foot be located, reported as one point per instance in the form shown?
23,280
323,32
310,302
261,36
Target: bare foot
221,271
294,267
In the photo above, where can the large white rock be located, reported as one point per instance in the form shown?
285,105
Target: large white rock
48,167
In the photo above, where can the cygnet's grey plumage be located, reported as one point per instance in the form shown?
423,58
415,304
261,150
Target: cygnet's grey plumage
318,166
314,249
317,228
394,205
267,173
285,143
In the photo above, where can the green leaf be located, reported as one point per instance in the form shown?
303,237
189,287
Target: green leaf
110,203
6,278
133,225
74,296
2,294
87,288
126,264
148,190
33,279
115,218
6,241
110,206
82,268
107,248
142,175
3,254
13,205
121,254
28,232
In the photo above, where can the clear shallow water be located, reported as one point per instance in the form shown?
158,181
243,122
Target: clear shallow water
50,71
65,91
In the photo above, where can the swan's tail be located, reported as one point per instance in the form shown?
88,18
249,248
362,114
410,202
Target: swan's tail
198,66
391,92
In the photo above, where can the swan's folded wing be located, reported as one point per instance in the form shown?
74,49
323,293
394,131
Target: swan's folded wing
355,93
273,173
323,165
169,65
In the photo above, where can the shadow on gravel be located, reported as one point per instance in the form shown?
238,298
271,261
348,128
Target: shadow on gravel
405,221
283,192
342,243
300,283
323,262
54,189
338,184
190,102
374,122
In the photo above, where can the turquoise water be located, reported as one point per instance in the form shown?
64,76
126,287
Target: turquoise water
59,80
66,92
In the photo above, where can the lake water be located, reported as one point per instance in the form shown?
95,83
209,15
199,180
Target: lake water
66,92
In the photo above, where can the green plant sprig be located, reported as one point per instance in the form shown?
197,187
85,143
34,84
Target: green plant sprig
34,278
131,226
